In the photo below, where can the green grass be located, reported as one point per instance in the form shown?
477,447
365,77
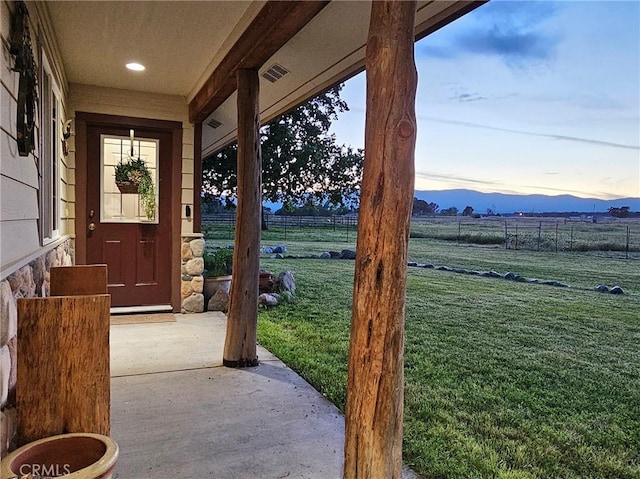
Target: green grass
502,379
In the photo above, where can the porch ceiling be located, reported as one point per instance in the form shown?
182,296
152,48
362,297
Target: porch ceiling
187,47
179,42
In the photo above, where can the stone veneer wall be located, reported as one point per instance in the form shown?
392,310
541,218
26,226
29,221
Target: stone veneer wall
192,283
30,281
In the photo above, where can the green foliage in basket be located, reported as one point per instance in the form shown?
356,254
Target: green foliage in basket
134,171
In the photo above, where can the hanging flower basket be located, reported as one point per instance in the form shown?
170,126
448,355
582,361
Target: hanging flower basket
127,188
133,176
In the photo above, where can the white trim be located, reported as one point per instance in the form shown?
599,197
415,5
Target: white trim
157,308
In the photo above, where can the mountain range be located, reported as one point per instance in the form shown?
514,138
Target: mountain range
510,203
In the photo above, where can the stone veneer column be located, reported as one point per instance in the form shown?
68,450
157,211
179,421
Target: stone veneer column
192,282
30,281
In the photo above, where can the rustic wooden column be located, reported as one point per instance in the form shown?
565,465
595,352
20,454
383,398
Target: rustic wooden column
373,442
242,318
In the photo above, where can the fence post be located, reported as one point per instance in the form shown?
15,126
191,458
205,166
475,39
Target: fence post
539,234
626,255
334,223
571,242
516,235
459,227
556,236
506,236
285,227
348,221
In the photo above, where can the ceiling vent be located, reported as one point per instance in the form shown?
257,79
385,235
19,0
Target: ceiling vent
214,123
274,73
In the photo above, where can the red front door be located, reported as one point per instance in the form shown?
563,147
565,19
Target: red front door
135,247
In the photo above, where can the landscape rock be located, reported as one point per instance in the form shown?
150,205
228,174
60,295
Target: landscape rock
552,282
285,282
602,288
428,266
616,290
22,284
8,314
195,266
39,270
266,282
13,375
325,255
280,249
5,371
197,284
459,270
443,268
193,304
267,250
185,289
219,301
510,275
268,300
335,255
412,263
279,256
197,247
495,274
348,254
185,253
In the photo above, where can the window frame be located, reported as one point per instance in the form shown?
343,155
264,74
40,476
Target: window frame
50,155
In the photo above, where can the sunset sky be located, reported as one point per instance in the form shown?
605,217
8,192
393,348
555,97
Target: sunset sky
526,97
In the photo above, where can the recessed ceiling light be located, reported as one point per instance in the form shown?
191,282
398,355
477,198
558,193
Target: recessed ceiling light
136,67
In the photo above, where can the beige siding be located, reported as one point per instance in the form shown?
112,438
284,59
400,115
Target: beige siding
110,101
19,205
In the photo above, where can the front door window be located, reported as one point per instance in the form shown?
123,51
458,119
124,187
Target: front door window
117,207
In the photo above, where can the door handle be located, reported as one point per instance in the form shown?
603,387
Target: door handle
92,226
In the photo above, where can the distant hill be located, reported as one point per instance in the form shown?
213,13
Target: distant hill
505,203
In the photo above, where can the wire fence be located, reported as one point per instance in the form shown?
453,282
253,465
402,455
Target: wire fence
605,234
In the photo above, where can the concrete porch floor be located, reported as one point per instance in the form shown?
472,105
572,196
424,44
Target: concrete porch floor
177,412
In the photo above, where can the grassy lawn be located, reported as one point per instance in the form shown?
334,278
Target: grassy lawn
502,379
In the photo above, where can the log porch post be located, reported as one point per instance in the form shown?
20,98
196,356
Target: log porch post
375,392
242,318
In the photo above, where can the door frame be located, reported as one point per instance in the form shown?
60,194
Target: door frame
82,121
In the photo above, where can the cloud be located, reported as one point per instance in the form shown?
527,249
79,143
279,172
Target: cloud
453,181
590,141
513,31
464,97
511,45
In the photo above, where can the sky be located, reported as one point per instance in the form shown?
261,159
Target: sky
525,97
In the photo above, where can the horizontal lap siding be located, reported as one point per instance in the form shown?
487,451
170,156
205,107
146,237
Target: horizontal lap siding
18,175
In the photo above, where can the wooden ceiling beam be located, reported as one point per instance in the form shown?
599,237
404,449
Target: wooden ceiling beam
273,27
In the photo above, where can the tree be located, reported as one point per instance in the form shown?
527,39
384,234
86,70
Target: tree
421,207
468,211
622,212
300,159
452,211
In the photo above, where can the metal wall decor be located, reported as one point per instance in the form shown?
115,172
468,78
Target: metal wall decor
20,47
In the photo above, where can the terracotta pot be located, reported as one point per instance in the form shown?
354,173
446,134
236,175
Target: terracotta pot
213,284
69,456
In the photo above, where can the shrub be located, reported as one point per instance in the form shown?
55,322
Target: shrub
218,263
